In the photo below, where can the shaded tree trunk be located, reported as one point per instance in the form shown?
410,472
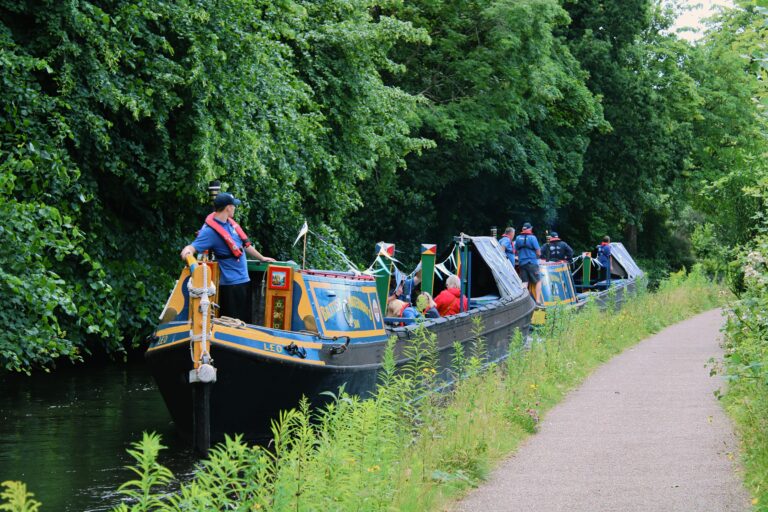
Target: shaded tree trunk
630,238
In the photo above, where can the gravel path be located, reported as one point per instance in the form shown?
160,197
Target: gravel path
643,433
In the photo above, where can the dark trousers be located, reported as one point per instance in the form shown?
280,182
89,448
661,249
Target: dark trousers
235,301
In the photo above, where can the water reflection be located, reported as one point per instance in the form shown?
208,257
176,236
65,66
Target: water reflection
65,434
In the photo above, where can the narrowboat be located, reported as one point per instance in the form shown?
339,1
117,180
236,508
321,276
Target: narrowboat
588,282
313,332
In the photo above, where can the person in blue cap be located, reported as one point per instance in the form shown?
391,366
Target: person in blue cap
528,254
557,250
229,244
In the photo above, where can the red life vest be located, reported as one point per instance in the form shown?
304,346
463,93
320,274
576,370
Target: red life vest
526,232
212,223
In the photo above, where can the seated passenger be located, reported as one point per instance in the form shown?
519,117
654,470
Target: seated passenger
426,305
397,308
447,301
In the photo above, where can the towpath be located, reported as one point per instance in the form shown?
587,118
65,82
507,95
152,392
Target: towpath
643,433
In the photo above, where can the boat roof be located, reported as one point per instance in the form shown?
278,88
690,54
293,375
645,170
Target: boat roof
621,256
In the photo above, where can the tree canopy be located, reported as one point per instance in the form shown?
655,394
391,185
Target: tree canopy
374,120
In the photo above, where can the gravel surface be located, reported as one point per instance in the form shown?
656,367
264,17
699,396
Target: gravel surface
643,433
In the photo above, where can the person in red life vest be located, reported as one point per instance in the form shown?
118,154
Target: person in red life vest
447,301
397,308
229,243
557,250
507,242
529,252
604,258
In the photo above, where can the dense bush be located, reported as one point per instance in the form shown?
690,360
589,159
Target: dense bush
117,114
746,368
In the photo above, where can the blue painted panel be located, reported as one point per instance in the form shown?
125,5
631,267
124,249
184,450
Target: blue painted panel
556,284
344,306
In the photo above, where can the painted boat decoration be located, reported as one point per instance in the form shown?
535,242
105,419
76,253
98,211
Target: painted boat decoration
557,290
314,332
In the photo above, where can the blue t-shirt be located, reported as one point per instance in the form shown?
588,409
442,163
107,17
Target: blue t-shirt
509,249
233,270
604,254
526,246
410,312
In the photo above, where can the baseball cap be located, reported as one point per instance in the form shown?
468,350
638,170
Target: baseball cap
553,234
527,225
224,199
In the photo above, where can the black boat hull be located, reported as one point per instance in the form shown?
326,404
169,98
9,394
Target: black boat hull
253,387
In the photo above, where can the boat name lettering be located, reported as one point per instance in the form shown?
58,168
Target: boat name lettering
331,309
356,303
273,347
335,306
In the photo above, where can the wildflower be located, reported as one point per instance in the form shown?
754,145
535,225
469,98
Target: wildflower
374,468
533,387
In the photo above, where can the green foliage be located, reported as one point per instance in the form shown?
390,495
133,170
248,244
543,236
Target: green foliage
507,107
650,102
746,368
117,114
369,120
15,498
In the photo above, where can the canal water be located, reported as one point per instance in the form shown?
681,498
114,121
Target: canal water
65,434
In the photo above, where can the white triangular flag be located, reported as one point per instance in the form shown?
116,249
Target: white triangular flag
304,230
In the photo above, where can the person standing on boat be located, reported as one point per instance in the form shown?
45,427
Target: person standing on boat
604,258
507,242
224,237
447,301
528,254
557,250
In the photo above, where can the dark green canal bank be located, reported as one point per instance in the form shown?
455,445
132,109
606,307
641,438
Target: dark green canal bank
65,434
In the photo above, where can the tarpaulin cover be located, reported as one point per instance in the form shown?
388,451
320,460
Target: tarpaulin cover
504,274
621,256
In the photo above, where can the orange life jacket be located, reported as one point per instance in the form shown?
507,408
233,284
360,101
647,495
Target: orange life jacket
224,234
